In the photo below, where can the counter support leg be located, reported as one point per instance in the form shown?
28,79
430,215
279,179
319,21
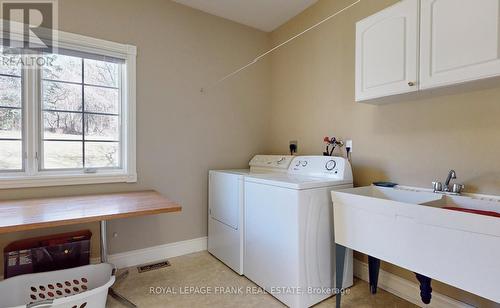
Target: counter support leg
104,259
339,272
104,241
373,271
425,288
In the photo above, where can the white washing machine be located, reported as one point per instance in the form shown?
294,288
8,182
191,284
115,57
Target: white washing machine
289,245
226,207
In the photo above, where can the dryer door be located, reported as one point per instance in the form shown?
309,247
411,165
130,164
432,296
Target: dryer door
225,197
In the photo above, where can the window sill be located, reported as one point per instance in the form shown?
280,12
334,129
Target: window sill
64,180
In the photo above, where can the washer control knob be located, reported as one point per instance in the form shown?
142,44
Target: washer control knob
304,163
298,163
330,165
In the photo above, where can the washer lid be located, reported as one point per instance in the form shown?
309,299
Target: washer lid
294,181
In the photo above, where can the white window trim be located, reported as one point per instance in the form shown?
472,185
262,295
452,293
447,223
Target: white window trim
127,174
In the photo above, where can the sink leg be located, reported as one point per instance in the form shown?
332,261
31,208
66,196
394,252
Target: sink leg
339,272
373,270
425,288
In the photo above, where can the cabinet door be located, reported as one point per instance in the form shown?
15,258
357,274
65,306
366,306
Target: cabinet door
387,52
460,41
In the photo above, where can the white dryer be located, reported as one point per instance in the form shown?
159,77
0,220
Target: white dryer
289,245
226,207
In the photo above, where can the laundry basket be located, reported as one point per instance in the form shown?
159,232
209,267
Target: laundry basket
85,286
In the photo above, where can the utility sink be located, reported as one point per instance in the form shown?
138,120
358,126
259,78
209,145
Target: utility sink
464,202
412,229
392,194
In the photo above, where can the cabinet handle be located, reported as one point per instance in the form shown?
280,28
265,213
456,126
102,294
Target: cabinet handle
411,83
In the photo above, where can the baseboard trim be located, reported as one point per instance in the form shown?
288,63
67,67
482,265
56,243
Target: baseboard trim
157,253
405,289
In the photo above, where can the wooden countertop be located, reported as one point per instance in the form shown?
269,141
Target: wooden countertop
20,215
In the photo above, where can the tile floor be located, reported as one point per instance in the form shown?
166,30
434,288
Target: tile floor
200,270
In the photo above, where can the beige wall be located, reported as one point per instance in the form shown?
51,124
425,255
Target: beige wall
413,142
181,134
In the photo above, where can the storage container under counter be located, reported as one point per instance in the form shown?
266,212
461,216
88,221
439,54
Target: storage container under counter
47,253
411,229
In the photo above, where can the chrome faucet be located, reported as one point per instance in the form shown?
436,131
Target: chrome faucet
445,188
451,175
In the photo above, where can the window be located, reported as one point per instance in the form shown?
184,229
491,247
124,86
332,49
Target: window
11,119
80,114
71,120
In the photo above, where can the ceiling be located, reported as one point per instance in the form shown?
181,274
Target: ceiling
265,15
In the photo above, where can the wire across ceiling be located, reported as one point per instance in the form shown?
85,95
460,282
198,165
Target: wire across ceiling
260,57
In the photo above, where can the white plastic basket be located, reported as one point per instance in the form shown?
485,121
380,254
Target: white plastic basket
80,287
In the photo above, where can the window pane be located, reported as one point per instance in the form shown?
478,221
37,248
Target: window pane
63,68
103,100
10,91
68,129
10,155
10,63
10,123
102,154
62,96
62,125
101,73
99,127
62,154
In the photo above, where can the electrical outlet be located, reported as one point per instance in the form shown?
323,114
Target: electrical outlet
294,146
348,144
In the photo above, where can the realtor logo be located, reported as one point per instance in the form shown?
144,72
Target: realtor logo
29,25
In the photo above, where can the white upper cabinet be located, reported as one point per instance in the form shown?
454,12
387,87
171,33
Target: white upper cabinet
422,44
460,41
387,52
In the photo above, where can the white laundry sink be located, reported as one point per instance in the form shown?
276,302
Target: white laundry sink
412,230
491,204
392,194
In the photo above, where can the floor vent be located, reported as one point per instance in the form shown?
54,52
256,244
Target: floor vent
152,267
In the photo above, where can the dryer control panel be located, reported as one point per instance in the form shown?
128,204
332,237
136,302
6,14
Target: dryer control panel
275,162
324,166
